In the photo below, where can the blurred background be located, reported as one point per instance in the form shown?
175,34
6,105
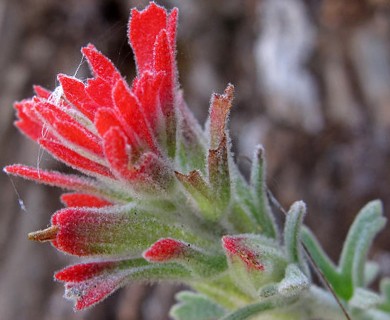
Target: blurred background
312,84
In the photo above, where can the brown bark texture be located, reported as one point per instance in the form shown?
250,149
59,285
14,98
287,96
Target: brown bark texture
312,84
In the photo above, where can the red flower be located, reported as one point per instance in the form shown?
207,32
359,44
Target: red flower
121,136
123,139
151,182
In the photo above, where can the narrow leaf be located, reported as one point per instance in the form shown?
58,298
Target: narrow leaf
367,224
263,212
292,234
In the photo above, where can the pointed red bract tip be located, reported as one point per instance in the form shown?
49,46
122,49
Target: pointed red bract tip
236,247
144,27
83,200
54,178
164,250
75,92
74,159
127,105
88,293
85,271
116,151
100,65
42,92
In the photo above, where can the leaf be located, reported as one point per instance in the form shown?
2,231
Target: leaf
292,234
244,212
371,271
191,140
351,271
294,282
364,299
367,224
219,113
263,213
195,306
257,308
321,259
385,290
223,291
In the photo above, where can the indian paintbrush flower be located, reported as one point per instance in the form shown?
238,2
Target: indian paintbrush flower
158,197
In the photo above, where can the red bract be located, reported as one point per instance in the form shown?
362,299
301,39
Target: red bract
89,283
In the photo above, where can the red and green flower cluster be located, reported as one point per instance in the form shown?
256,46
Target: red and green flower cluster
158,196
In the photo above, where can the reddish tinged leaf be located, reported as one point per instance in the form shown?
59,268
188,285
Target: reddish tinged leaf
74,159
83,200
151,169
218,168
100,91
77,134
144,28
235,247
164,250
219,111
101,66
115,149
42,92
85,271
194,181
75,93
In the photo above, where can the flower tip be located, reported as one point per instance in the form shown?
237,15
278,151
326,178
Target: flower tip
87,48
229,91
164,250
229,243
48,234
236,247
